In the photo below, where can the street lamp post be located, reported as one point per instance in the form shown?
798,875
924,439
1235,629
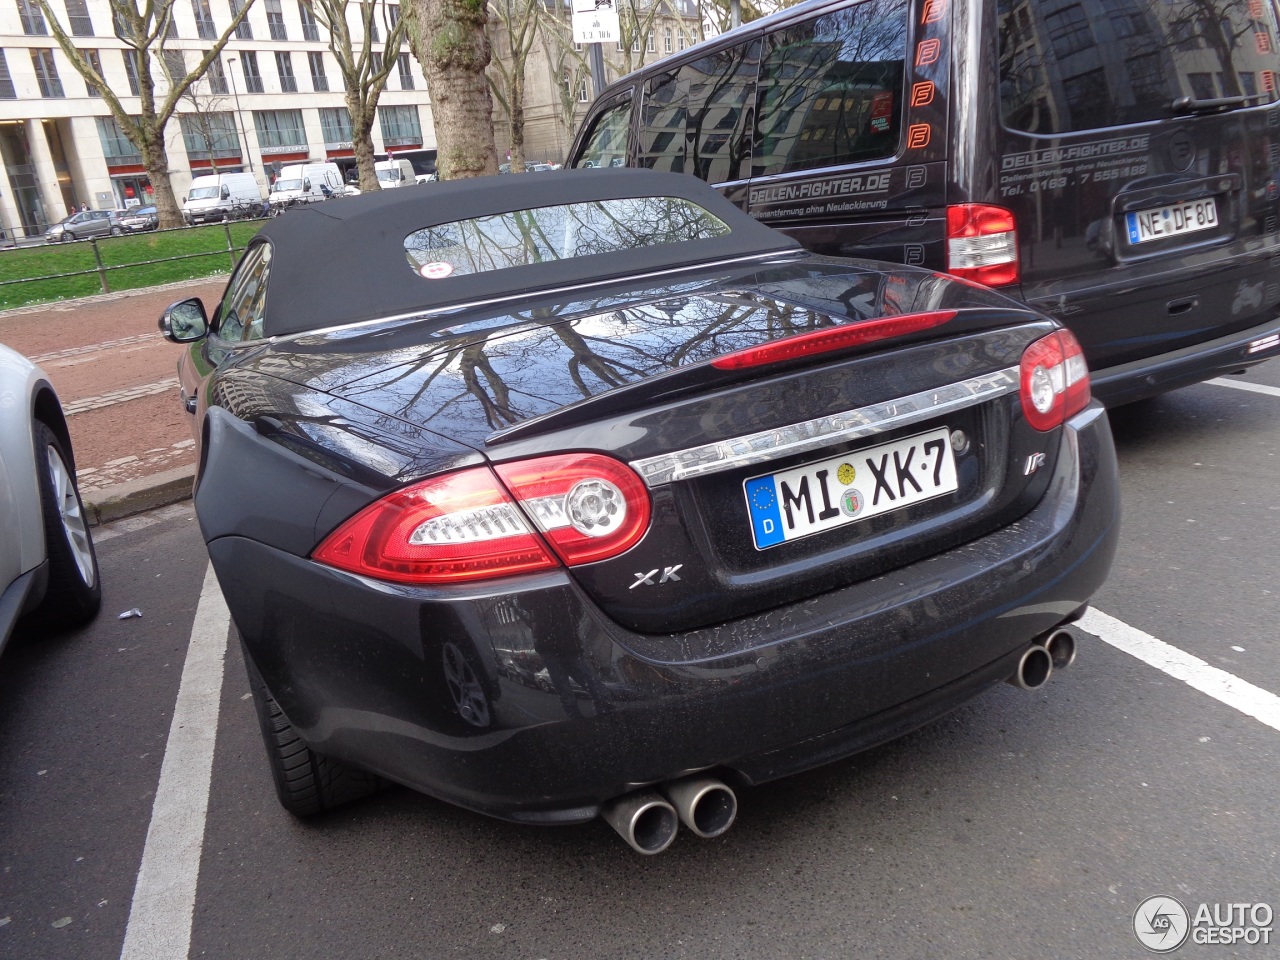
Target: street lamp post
244,137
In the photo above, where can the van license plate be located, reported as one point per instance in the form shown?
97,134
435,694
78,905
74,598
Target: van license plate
1172,221
821,496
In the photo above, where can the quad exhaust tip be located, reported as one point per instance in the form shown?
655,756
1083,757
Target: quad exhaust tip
1055,650
644,819
1034,669
705,805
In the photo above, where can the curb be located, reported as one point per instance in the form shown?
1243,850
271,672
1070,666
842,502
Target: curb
138,496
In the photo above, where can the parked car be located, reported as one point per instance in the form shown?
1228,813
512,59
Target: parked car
140,219
48,567
86,223
1097,164
558,499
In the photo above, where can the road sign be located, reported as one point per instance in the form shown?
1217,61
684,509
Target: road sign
595,21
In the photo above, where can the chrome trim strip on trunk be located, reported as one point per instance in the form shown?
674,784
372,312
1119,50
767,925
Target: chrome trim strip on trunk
814,434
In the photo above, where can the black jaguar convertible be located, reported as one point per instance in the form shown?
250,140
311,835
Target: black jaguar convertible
594,496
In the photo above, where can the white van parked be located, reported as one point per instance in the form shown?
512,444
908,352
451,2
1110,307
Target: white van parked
395,173
220,196
305,182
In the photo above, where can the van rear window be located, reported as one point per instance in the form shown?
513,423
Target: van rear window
1067,66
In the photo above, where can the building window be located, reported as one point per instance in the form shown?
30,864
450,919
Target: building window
393,18
78,18
284,66
310,29
209,136
652,43
116,147
275,20
582,90
46,73
399,126
666,40
205,29
335,126
1069,30
131,69
680,38
217,77
406,74
244,31
375,63
373,28
6,81
95,61
33,24
174,63
279,128
319,82
252,78
635,43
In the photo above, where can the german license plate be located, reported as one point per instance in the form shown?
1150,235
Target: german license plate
822,496
1172,221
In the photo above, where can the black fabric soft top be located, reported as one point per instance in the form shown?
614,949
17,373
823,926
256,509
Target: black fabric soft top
343,261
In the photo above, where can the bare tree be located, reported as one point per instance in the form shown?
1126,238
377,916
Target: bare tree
143,25
364,66
449,39
566,62
517,22
206,109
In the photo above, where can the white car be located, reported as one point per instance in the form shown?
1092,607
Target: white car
48,568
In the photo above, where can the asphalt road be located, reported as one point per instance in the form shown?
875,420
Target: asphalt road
1023,825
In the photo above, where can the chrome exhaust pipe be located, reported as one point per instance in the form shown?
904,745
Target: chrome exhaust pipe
643,819
705,805
1034,669
1062,648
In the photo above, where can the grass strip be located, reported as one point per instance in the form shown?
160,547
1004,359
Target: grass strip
204,250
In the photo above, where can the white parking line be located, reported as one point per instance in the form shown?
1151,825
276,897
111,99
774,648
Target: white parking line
1222,686
165,894
1245,385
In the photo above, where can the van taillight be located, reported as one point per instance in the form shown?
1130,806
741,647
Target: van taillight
982,244
472,525
1054,380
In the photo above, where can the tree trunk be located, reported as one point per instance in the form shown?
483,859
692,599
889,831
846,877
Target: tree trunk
362,144
517,115
156,161
448,38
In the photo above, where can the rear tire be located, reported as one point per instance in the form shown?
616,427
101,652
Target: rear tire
74,593
117,232
306,782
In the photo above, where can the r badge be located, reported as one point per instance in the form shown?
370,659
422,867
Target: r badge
1034,463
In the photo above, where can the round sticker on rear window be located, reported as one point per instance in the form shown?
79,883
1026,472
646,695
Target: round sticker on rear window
436,270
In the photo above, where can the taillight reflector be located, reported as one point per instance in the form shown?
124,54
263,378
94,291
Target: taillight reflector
468,526
831,338
1054,381
982,244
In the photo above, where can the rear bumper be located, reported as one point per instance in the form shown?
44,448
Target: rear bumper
1149,376
562,709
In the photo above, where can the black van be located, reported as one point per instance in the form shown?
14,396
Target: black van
1112,162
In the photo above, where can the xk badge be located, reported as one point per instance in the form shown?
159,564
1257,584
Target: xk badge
646,579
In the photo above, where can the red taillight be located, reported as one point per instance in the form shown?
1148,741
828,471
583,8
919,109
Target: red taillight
589,507
1054,380
466,526
982,244
831,338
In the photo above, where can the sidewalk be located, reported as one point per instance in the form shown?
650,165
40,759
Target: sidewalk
115,376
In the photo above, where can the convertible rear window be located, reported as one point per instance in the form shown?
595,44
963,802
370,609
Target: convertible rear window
547,234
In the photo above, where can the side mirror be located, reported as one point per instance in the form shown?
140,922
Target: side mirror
226,191
184,198
184,321
306,185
